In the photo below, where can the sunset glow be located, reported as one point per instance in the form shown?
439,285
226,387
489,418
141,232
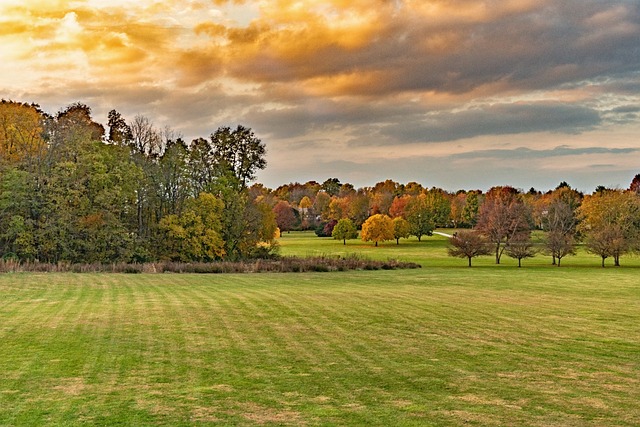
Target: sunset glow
452,93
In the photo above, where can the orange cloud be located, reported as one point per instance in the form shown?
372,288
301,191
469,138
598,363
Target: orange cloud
343,72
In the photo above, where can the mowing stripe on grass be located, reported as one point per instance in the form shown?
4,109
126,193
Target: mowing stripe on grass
485,346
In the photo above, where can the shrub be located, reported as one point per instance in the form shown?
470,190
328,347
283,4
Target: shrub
284,265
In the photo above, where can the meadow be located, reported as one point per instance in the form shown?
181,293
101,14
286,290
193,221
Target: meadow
444,345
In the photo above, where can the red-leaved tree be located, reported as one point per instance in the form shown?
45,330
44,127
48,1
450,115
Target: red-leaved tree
502,217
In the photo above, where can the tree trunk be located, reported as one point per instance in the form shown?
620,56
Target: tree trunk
139,212
603,258
559,261
344,242
398,241
376,243
519,262
498,253
469,262
554,260
616,260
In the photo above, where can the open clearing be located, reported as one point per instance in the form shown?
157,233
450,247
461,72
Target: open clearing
444,345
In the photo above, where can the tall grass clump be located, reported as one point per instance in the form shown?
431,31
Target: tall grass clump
289,264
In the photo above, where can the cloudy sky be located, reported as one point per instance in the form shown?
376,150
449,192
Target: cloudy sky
452,93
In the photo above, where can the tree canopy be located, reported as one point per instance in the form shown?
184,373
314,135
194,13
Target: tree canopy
71,191
378,228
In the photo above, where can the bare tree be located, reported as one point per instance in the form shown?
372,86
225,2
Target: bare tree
559,245
145,138
520,247
607,241
559,218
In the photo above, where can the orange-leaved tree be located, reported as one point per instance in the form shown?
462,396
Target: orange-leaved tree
610,223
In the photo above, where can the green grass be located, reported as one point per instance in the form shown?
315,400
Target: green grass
430,252
444,345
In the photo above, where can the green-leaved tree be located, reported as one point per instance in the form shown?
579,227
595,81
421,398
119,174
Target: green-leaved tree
344,229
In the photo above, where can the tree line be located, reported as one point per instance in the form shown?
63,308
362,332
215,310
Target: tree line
497,222
73,190
607,222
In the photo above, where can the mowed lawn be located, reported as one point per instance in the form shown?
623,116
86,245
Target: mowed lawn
442,345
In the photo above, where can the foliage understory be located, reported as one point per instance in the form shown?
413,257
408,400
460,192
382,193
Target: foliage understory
289,264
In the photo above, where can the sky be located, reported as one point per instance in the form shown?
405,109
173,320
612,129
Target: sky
457,94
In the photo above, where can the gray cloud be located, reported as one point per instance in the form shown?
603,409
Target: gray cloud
501,119
491,168
551,44
528,153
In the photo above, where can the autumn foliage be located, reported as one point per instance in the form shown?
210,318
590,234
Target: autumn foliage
73,191
468,244
378,228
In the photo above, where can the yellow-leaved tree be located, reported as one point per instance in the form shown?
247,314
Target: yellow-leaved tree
610,223
20,132
378,228
195,234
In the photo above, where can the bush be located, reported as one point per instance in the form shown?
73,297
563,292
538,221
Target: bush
283,265
133,269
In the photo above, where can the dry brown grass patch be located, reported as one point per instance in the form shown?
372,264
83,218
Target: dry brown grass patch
204,415
71,386
261,415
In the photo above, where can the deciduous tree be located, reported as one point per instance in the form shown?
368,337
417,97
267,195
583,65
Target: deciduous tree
285,218
119,131
635,184
559,245
238,155
458,203
331,186
471,208
468,244
420,216
21,129
559,218
172,179
607,241
520,247
321,205
307,216
339,208
359,208
145,137
439,204
74,117
195,234
502,216
378,228
611,222
399,206
343,230
401,229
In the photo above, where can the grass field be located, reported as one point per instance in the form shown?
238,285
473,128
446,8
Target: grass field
444,345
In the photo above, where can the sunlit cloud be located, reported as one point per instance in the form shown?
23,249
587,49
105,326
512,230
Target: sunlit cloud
400,80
